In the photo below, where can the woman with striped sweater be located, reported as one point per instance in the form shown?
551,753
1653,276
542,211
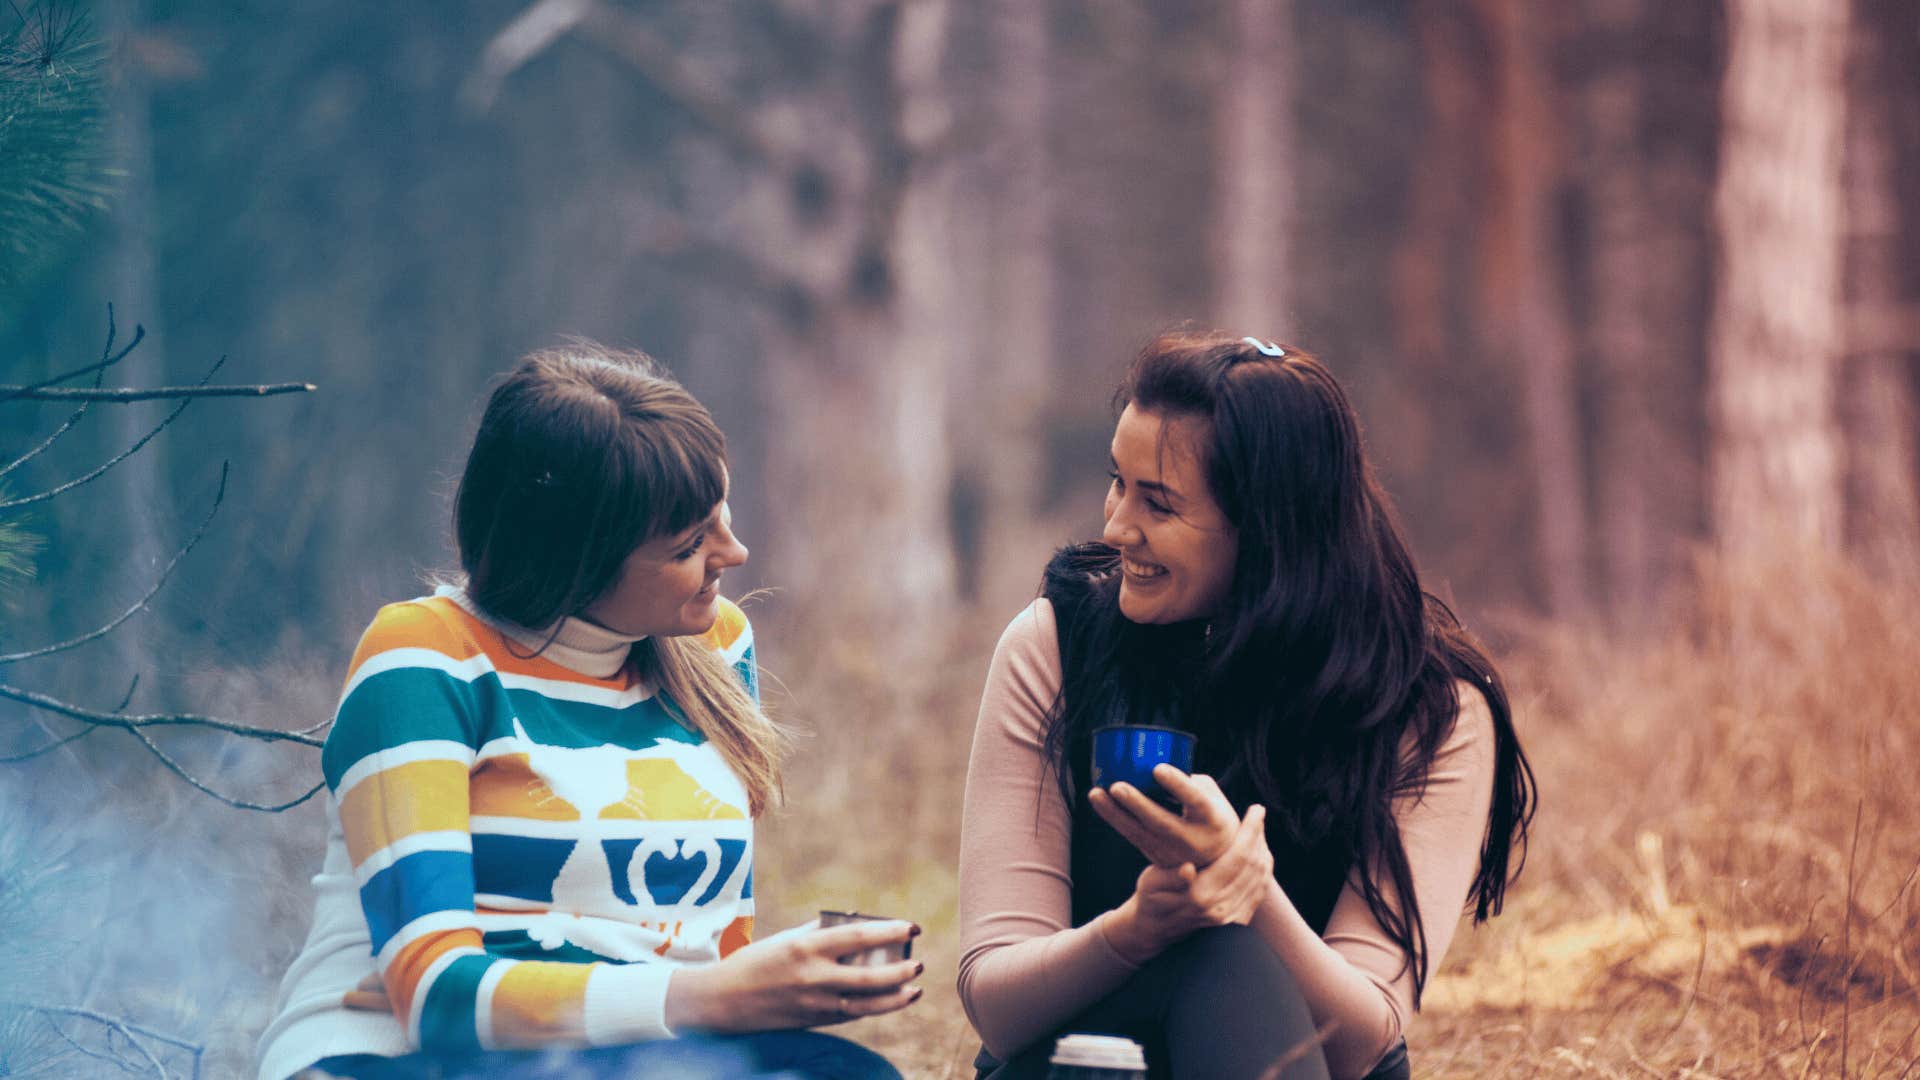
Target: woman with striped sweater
543,782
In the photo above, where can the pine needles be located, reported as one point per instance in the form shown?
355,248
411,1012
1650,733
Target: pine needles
54,158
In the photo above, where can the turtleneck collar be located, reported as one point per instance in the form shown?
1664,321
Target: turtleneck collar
577,645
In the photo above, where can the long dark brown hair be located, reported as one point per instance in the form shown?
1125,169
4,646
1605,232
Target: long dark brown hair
585,453
1329,676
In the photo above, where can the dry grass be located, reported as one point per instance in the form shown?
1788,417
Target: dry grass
1722,881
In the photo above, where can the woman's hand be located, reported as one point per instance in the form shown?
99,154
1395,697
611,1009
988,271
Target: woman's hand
795,981
1168,903
1201,833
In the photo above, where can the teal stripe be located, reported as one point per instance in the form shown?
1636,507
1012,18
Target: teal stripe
447,1024
749,671
415,704
394,708
518,945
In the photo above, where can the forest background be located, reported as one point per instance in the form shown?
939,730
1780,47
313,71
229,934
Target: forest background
1627,293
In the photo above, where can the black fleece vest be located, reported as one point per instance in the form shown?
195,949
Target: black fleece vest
1104,865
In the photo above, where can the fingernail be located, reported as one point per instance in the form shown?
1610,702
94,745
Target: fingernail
919,970
914,931
916,995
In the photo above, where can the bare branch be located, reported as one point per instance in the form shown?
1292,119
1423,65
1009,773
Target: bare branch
531,33
15,759
139,605
52,704
72,419
108,358
121,395
239,804
79,1048
28,500
114,1023
630,41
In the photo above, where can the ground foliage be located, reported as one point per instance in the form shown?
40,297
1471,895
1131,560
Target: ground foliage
1722,879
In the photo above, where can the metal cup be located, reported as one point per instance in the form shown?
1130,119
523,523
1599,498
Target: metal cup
879,954
1130,751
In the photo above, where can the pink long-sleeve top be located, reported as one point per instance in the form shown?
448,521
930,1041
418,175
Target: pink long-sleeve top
1024,969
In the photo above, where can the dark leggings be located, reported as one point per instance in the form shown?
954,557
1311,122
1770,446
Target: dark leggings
1217,1006
790,1055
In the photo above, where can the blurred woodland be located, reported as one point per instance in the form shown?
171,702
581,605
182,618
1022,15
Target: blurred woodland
1626,292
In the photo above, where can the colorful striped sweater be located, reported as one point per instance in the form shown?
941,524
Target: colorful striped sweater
522,851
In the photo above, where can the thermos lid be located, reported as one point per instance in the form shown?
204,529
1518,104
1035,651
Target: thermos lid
1099,1052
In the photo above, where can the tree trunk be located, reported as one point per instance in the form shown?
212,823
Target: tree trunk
860,468
1776,329
1002,387
1254,205
1523,297
1877,378
1644,193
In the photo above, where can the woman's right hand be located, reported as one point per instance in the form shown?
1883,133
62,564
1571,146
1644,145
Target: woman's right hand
795,980
1170,902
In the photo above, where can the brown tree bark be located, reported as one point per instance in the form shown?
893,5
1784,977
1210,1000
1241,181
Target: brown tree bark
1877,376
1643,196
1254,200
1002,388
1523,294
1776,331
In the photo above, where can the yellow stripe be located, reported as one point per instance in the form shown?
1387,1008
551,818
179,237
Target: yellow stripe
727,628
541,1002
420,796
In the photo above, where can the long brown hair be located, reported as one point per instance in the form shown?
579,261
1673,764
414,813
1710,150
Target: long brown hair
583,454
1330,671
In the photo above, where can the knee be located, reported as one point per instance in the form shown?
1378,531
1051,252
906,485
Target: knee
1234,955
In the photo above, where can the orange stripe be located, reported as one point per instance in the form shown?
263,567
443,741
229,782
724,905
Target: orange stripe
540,1003
420,796
738,932
507,786
410,966
417,624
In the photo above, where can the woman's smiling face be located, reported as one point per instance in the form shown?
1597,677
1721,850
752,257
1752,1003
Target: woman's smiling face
670,585
1177,549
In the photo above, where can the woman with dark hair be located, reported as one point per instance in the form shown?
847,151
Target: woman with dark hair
543,779
1357,782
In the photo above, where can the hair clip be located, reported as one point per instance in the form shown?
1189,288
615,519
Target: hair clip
1266,348
544,479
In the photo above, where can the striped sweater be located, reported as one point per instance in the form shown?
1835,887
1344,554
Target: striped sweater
521,851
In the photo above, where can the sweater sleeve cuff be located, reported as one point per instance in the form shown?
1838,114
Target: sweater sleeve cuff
627,1003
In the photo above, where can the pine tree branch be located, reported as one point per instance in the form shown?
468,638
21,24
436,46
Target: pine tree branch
139,605
108,358
29,755
28,500
121,395
237,803
47,702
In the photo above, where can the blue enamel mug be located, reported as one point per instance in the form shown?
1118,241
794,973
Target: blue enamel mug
1130,751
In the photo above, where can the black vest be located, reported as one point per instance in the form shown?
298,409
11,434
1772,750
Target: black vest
1138,674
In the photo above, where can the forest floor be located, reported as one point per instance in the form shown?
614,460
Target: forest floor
1721,881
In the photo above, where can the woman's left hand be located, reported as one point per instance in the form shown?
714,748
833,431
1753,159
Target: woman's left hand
1168,903
1199,834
